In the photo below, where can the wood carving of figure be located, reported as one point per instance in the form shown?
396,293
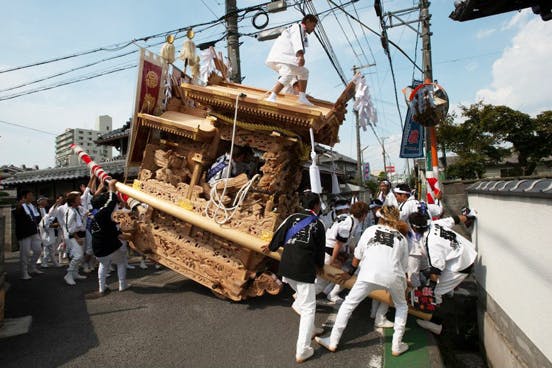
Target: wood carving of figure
175,170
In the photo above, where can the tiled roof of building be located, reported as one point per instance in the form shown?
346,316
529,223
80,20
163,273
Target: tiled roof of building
519,187
116,167
114,134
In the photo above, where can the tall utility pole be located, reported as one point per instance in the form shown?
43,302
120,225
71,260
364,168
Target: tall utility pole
233,40
431,136
384,154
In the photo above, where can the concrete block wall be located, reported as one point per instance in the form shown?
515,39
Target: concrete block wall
8,230
512,237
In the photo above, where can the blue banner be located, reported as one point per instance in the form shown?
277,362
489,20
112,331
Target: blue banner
412,144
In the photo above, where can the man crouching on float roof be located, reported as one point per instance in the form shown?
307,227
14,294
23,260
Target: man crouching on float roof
287,58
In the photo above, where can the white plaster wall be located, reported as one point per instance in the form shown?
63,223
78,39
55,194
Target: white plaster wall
513,237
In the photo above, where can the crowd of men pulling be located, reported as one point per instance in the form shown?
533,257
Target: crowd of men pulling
77,226
395,243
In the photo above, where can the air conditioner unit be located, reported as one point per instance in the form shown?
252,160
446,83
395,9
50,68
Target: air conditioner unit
269,34
276,6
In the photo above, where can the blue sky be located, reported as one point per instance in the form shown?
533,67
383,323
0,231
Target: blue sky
503,59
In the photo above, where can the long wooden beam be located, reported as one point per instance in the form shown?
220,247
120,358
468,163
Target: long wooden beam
248,241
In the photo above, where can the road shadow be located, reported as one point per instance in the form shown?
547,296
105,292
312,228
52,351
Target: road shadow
61,329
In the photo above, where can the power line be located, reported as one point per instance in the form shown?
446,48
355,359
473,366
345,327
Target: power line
208,8
27,127
9,97
321,35
357,40
347,38
67,71
376,33
115,47
122,45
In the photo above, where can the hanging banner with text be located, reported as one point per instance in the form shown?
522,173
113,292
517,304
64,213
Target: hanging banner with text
412,144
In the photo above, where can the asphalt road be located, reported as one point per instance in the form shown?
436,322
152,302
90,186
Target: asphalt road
186,326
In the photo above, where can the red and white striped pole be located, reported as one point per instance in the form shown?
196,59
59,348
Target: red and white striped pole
94,167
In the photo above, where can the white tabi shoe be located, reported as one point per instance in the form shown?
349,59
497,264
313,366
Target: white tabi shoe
385,323
271,98
304,101
325,342
317,332
125,286
77,276
336,299
398,350
69,279
304,355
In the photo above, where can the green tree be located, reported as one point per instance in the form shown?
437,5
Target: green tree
489,134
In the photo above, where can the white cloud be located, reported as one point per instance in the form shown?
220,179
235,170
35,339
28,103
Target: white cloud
484,33
520,19
521,76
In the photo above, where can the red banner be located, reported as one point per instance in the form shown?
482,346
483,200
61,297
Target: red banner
150,87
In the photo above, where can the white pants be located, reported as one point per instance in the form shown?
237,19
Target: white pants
119,258
448,281
287,72
88,244
49,252
30,249
75,252
379,310
306,303
358,293
323,285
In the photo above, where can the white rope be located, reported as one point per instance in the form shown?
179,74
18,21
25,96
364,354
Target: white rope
216,199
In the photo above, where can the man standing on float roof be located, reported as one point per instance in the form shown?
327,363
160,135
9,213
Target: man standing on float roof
287,58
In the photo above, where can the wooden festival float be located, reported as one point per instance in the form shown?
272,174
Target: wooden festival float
178,131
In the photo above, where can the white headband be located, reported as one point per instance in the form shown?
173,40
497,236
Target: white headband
396,190
342,207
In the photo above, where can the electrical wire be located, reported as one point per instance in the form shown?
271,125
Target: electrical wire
376,33
82,77
356,37
346,38
121,45
322,37
67,71
208,8
27,127
9,97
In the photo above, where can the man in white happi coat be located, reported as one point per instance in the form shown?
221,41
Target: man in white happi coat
408,204
382,258
338,238
74,235
47,234
86,203
287,58
449,257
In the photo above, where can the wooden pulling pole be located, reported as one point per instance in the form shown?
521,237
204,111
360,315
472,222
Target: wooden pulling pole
248,241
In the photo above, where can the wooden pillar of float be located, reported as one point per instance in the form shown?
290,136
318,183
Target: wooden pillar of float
198,163
240,238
